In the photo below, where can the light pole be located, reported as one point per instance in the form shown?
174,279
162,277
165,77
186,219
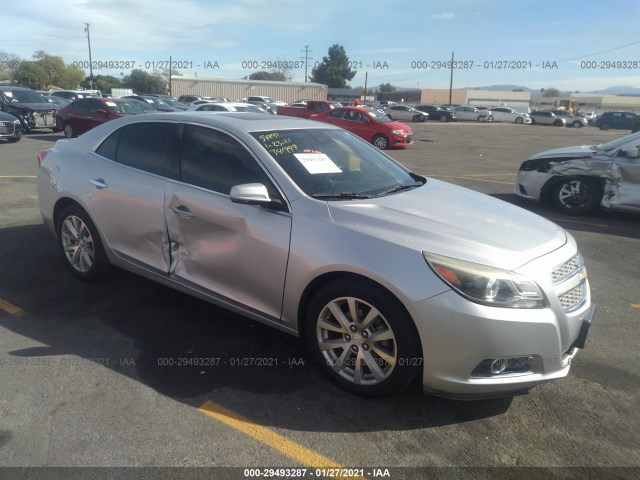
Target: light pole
86,29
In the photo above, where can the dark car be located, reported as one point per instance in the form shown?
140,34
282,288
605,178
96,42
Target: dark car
87,113
438,113
622,120
188,98
28,106
156,102
10,127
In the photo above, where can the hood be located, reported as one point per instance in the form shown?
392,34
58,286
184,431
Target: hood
453,221
36,107
394,125
567,152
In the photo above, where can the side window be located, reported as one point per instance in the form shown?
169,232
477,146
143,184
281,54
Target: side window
151,147
109,147
215,161
82,105
95,105
336,114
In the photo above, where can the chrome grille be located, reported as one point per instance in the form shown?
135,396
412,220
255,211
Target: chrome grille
573,298
567,269
7,128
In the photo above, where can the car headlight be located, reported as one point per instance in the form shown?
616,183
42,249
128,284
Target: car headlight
399,132
486,285
16,121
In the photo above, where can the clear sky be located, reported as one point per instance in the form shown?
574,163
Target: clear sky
567,44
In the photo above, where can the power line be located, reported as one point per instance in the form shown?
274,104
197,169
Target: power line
600,53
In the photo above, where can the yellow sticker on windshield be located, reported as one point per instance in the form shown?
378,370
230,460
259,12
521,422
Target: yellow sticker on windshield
354,163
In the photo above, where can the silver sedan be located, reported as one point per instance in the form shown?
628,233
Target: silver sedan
303,226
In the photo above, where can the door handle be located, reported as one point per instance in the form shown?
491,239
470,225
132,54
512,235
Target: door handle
99,183
182,210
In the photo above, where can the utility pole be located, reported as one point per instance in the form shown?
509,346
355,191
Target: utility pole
306,60
366,77
86,29
451,80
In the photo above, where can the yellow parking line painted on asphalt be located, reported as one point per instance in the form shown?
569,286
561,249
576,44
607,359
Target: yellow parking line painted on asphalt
635,305
18,176
283,445
474,179
12,309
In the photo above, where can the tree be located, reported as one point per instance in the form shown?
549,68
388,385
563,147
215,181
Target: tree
141,82
31,74
387,88
334,70
550,92
262,75
104,83
8,65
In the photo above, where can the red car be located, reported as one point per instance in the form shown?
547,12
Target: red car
84,114
372,125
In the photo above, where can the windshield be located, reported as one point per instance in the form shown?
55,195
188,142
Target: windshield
248,108
335,164
619,142
126,108
378,116
22,96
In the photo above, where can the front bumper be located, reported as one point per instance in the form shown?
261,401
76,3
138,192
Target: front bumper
462,341
401,140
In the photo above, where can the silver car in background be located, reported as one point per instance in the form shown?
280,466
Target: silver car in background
579,179
303,226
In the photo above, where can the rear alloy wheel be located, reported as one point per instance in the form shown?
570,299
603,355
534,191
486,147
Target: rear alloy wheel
363,338
519,120
380,141
576,124
418,118
576,196
69,131
80,244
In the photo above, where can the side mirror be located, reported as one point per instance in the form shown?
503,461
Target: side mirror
253,194
632,152
102,111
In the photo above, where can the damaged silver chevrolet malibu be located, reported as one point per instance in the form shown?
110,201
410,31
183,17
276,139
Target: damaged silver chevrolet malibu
579,179
303,226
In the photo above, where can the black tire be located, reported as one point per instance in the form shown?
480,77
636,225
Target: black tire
380,141
387,365
14,139
519,120
577,196
482,118
69,131
557,123
605,126
533,121
418,118
80,244
576,124
444,118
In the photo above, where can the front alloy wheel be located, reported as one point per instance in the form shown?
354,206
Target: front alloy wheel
363,339
577,195
380,141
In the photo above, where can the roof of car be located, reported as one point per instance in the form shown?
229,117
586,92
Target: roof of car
241,121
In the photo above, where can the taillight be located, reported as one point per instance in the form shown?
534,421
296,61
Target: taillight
42,155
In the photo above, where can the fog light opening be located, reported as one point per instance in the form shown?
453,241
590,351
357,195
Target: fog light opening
499,365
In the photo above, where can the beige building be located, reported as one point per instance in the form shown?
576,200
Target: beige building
517,100
239,89
591,102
